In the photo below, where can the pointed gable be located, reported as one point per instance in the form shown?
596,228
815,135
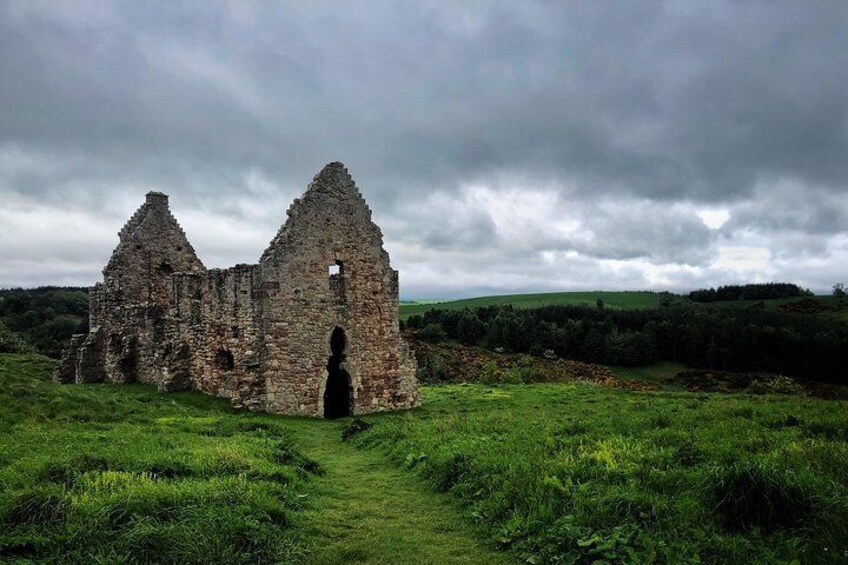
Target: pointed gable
331,210
152,246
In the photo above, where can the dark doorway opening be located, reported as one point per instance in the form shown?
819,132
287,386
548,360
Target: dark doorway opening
337,394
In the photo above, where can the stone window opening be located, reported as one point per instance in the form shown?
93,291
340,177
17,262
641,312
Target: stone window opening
338,394
337,279
166,268
224,360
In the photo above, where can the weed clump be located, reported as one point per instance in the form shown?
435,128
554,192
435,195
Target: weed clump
286,454
448,473
758,495
37,506
354,428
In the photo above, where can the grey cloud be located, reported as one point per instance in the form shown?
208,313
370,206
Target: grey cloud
232,107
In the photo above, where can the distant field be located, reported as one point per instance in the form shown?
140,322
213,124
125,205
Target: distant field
624,300
627,300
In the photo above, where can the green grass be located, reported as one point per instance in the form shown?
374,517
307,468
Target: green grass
550,473
661,373
102,473
107,474
366,510
631,300
576,473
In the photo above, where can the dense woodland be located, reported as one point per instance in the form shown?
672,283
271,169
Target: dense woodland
767,291
734,340
45,317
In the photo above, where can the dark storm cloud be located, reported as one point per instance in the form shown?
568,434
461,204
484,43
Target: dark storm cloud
663,108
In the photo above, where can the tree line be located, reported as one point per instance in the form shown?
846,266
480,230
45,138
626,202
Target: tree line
765,291
710,338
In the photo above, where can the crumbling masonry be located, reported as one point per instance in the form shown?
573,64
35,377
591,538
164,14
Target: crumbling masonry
312,329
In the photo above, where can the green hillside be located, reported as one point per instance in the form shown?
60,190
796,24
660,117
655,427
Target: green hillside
626,300
564,472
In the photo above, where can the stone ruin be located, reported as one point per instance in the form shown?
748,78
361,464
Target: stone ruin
311,330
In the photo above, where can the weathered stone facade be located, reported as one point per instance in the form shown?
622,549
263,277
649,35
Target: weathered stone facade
312,329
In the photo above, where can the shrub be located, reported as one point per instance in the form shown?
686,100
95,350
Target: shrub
432,369
433,333
10,342
775,385
491,373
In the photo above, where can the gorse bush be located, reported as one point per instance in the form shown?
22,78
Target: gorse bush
432,369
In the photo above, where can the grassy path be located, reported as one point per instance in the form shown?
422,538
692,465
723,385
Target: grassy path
368,511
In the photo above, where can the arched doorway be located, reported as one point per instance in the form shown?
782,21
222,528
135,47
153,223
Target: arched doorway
337,394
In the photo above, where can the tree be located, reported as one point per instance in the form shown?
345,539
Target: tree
470,328
433,333
839,290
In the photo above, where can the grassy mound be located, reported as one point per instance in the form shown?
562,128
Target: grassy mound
574,473
101,473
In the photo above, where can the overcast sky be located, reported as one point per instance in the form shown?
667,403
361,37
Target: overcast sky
503,146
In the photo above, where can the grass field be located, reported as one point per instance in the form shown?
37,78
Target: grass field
114,474
584,474
662,373
630,300
102,473
625,300
548,473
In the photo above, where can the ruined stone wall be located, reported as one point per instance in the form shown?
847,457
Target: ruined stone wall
215,316
302,304
256,334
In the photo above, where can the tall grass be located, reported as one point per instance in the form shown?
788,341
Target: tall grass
99,473
582,474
